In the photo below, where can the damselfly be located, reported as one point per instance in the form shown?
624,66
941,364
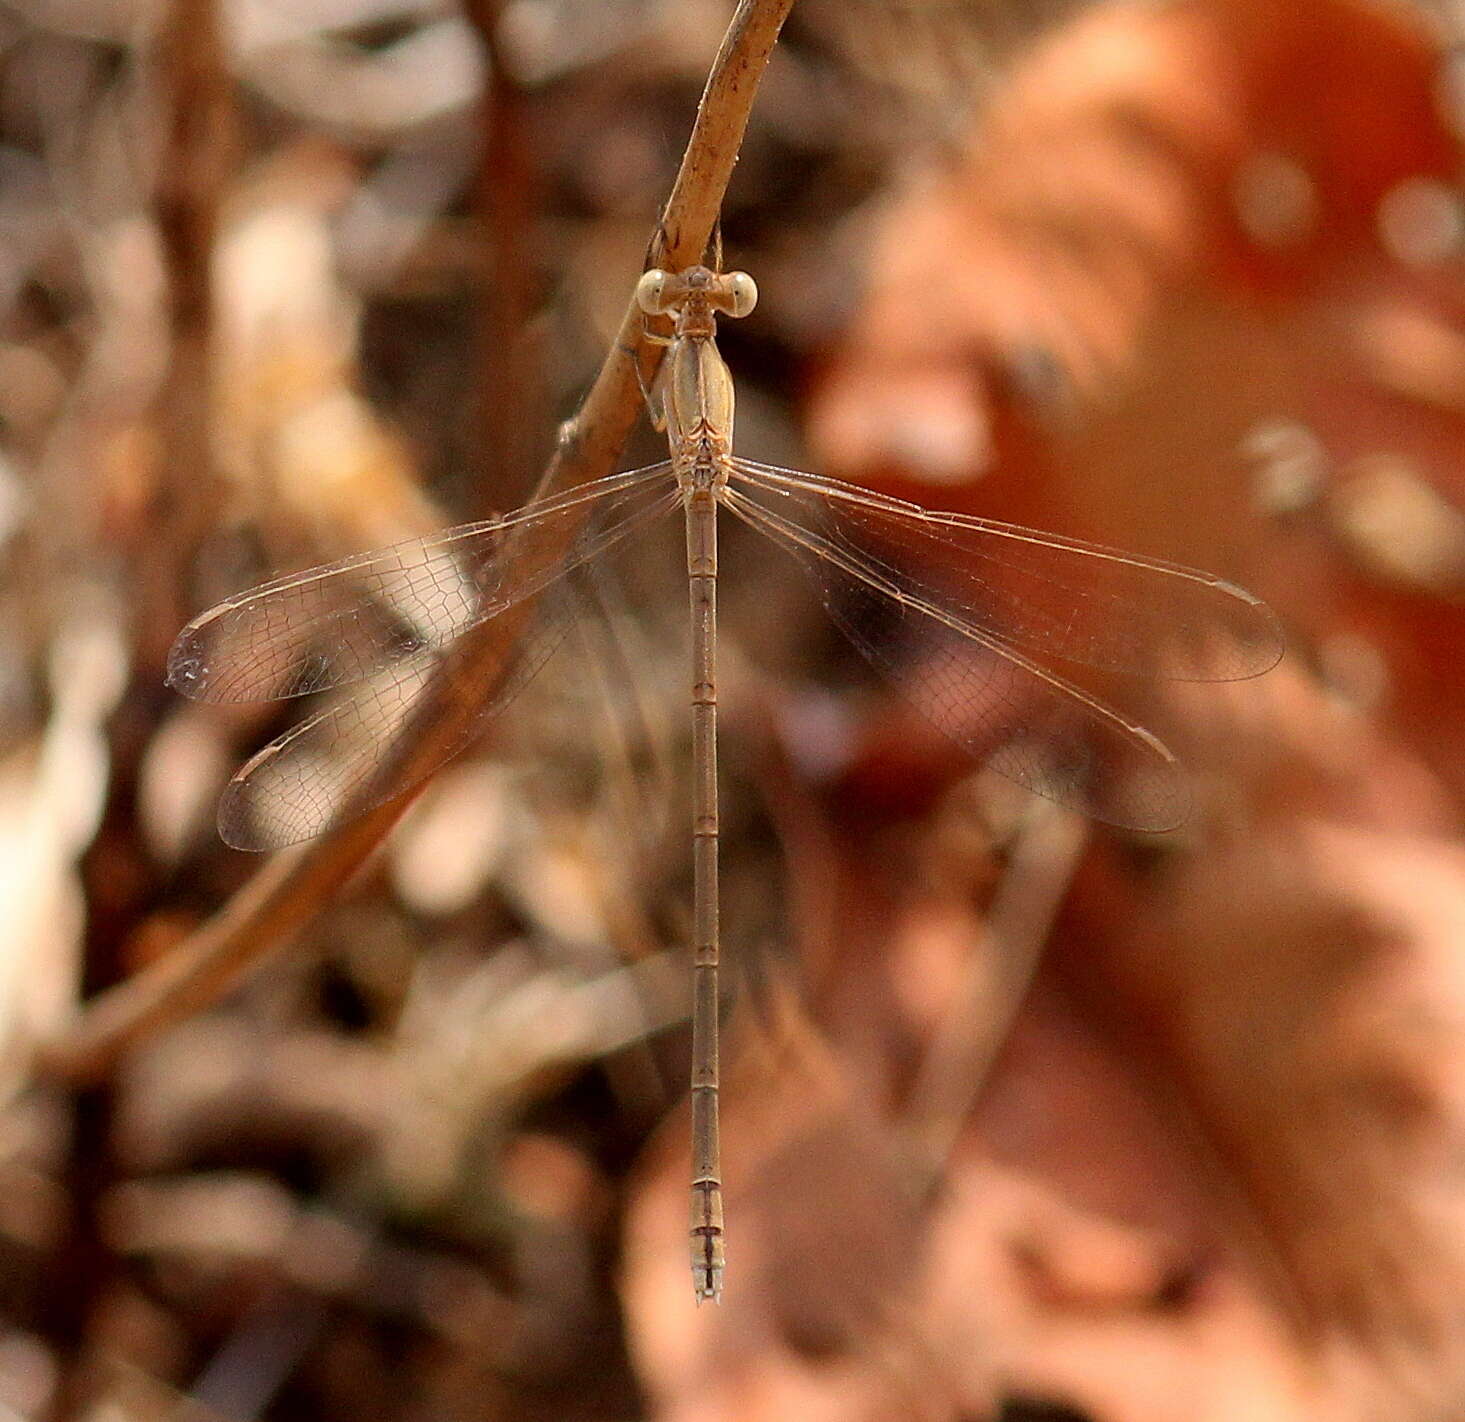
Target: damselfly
988,607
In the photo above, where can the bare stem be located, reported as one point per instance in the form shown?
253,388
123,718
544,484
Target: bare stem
265,915
998,976
117,873
507,194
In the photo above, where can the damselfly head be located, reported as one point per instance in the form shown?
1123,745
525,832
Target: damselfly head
662,293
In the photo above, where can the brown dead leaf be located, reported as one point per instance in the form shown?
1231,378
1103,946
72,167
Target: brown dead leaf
822,1317
1213,1171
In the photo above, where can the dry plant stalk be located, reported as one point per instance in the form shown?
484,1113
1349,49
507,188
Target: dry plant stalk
198,153
505,196
263,917
994,983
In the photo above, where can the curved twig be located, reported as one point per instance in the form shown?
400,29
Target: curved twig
263,916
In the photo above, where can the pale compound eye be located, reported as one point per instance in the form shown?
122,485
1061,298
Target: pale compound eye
651,292
742,293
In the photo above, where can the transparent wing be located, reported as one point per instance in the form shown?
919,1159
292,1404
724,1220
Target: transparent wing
414,709
336,624
1055,597
359,752
1009,712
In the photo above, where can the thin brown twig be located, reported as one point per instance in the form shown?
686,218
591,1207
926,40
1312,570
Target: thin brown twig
199,151
119,878
263,917
982,1010
507,192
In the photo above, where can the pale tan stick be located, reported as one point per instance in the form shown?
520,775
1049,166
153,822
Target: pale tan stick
263,917
972,1031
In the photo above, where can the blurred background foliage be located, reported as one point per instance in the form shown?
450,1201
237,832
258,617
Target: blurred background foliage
1027,1119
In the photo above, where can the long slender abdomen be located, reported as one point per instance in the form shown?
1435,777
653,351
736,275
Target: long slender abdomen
707,1215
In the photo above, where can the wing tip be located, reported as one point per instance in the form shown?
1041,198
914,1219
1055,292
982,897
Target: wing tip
1154,798
240,828
187,671
1245,652
239,822
1266,644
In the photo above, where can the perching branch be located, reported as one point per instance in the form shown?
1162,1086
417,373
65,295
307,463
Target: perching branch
266,914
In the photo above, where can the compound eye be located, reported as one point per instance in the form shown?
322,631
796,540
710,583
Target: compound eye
742,294
651,292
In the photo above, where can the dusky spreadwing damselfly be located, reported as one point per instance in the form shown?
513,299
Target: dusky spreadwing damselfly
991,605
